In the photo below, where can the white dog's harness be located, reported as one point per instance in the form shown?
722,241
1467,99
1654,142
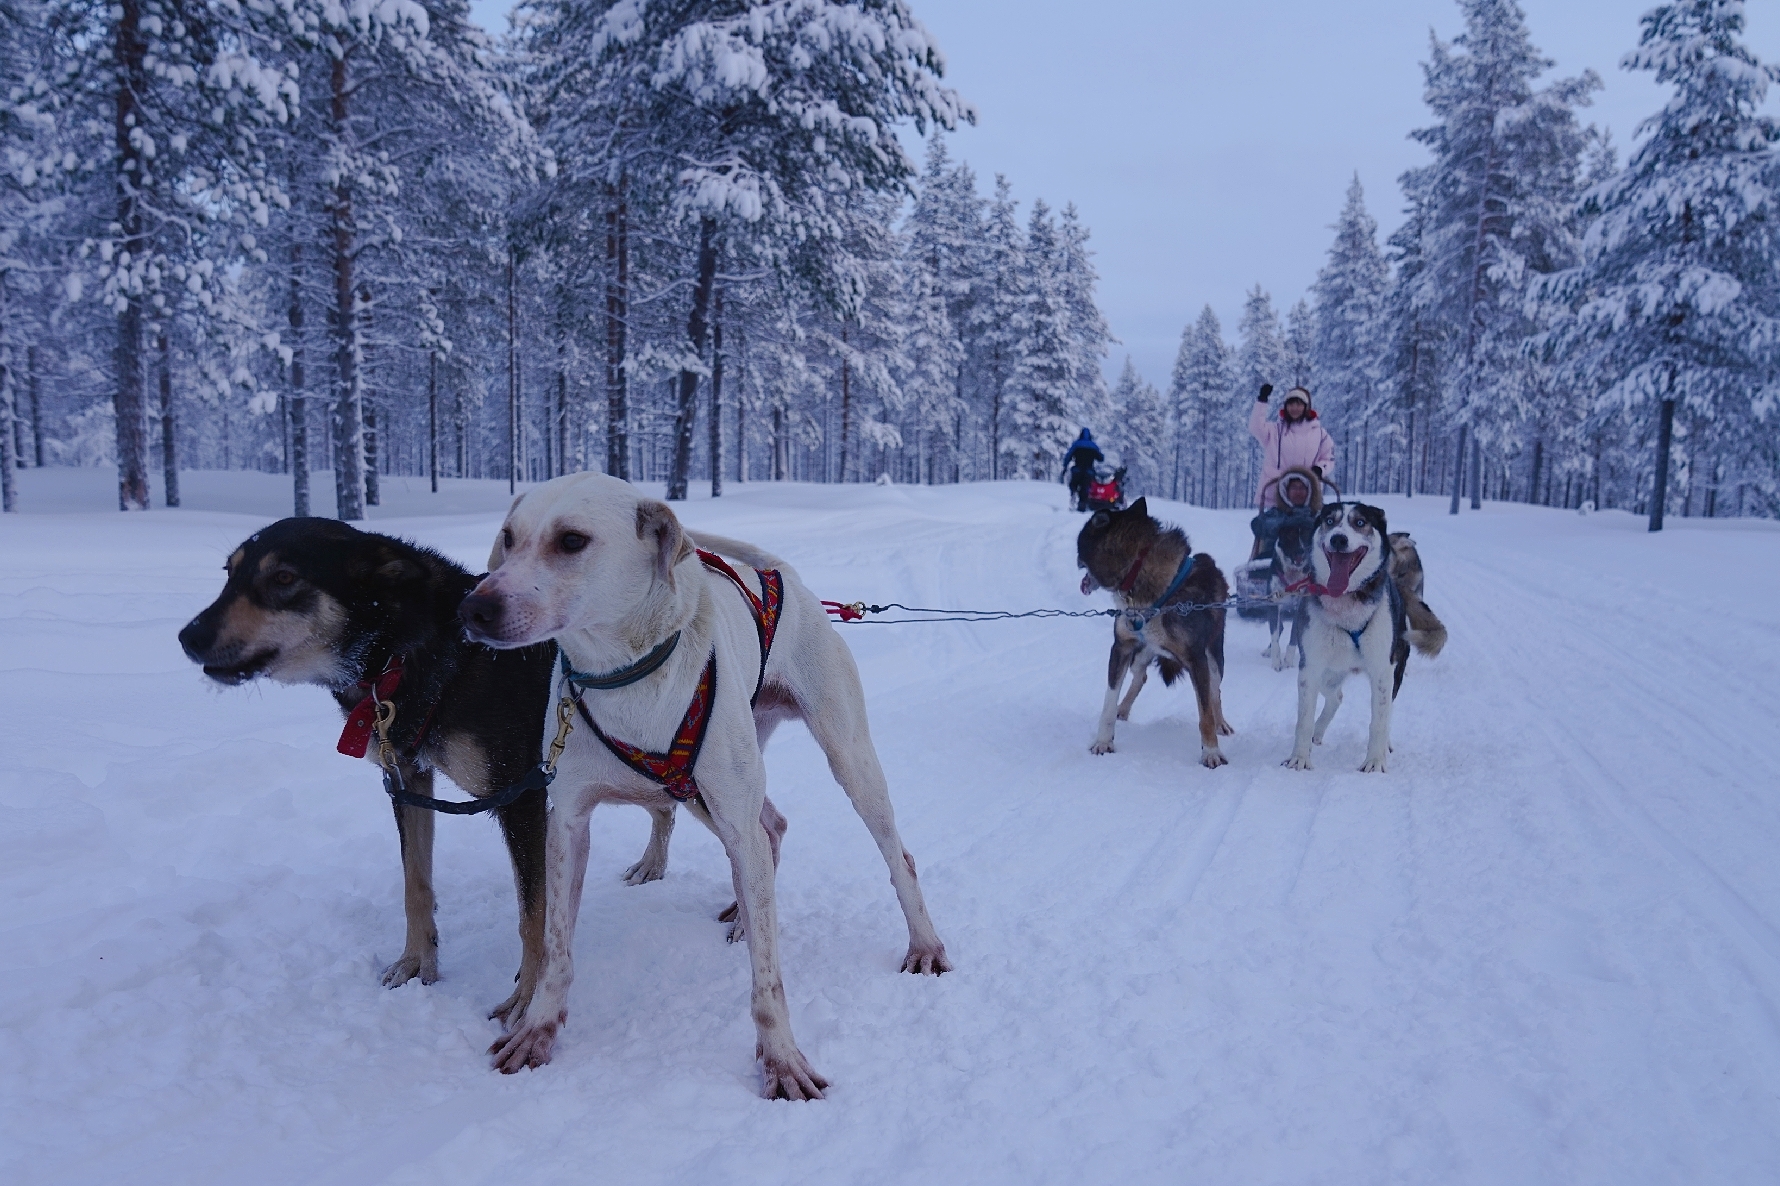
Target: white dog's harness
672,770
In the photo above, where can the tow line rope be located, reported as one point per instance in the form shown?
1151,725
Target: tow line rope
855,612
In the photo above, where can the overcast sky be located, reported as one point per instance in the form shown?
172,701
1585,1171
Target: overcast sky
1209,145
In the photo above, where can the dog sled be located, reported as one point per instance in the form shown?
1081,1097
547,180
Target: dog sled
1253,580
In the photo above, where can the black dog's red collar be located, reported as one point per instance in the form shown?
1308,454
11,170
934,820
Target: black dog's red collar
355,738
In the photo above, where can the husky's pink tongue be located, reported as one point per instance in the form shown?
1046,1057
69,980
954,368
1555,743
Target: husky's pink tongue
1341,569
1088,585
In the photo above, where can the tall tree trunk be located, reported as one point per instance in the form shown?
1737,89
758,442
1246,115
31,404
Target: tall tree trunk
781,447
512,376
1476,473
717,395
846,400
1538,470
741,406
1409,457
617,311
36,406
349,416
432,417
129,401
299,400
9,461
1458,472
1659,494
169,430
697,336
374,460
562,381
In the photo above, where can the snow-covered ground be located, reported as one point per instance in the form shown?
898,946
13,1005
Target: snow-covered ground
1544,948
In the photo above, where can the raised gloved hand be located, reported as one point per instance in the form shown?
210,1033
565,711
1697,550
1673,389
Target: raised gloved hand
1266,390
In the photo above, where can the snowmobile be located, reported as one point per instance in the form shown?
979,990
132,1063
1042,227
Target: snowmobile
1106,490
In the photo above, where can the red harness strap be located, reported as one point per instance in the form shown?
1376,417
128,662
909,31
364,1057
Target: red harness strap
673,770
355,738
766,607
1130,581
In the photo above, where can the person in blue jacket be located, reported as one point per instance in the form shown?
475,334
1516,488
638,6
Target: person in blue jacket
1078,467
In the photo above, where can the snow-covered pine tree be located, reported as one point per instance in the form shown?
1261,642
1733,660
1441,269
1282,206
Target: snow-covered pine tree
782,113
1677,296
31,167
998,314
942,245
1498,191
1041,406
1139,432
1089,336
1261,357
1300,343
1198,395
393,94
169,102
1349,294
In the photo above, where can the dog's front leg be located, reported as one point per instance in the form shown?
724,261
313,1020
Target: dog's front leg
1140,674
1310,679
1378,738
523,827
414,828
1331,702
735,817
654,861
1118,662
534,1037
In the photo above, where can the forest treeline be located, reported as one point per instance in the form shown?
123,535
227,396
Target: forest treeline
1544,317
684,242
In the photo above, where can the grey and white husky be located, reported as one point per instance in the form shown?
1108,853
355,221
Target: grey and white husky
1356,622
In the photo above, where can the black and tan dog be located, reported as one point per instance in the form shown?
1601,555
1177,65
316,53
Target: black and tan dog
316,601
1149,566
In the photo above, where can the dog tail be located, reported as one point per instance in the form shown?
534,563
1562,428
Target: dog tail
735,549
1170,669
1426,633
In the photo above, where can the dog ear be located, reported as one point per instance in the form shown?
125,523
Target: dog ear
1140,508
394,568
657,524
1377,514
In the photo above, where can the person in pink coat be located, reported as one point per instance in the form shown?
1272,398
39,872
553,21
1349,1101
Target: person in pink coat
1295,438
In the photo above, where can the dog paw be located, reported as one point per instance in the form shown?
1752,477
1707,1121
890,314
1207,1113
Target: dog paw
426,967
926,961
1226,729
511,1009
528,1046
1279,662
1212,758
1295,762
644,871
1124,714
732,914
1101,747
790,1078
1373,766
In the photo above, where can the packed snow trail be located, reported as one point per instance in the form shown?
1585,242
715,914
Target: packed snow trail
1545,947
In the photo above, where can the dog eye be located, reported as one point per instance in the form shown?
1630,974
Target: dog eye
506,537
284,578
572,541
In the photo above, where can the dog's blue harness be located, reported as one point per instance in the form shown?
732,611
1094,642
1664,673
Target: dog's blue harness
1139,617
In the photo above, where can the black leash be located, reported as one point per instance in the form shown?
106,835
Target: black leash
536,779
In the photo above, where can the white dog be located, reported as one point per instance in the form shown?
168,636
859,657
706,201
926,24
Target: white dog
1356,623
677,710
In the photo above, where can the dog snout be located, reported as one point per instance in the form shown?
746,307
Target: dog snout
1338,543
198,639
481,613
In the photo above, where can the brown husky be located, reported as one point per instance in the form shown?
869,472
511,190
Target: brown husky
1149,566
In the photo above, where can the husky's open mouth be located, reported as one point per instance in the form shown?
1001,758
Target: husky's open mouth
240,672
1341,569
